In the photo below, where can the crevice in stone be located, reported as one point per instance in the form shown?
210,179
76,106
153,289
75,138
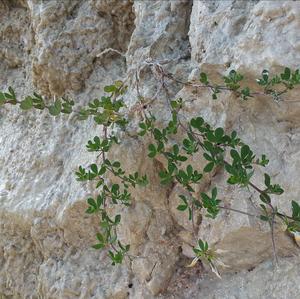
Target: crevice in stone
73,13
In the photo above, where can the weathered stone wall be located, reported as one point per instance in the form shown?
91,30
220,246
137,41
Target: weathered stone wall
64,47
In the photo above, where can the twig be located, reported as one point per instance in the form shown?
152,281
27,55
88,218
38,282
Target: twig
110,50
238,211
150,274
193,222
273,240
158,67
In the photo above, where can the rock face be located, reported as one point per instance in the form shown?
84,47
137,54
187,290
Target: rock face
75,48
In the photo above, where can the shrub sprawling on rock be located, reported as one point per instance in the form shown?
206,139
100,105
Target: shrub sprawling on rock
196,137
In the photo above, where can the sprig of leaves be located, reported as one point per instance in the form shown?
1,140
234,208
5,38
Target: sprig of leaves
219,148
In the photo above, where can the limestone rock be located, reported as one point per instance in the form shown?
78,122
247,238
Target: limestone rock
75,48
262,282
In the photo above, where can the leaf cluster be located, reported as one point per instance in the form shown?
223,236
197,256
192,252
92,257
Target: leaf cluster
220,149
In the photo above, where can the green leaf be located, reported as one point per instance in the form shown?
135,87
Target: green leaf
117,219
230,169
142,126
94,168
176,149
183,198
201,245
203,78
264,218
267,180
100,237
26,104
265,198
207,157
2,98
116,164
152,151
92,202
104,224
197,122
209,167
219,132
295,210
90,210
98,246
233,180
245,93
55,109
263,161
205,197
245,150
265,75
190,214
189,170
235,155
211,137
209,146
110,88
177,104
115,188
182,207
12,92
102,170
286,74
99,200
181,158
214,193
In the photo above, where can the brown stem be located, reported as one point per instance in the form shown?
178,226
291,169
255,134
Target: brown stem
193,222
273,240
256,188
237,211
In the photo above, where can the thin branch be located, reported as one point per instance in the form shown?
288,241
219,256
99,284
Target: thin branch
238,211
105,51
270,93
193,222
273,240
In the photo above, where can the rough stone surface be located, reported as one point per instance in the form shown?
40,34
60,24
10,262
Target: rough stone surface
261,282
74,48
